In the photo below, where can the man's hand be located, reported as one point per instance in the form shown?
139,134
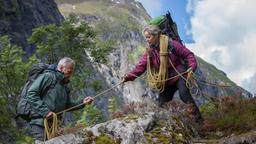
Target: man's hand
88,100
49,115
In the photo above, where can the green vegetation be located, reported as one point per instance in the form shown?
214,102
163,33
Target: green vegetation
214,72
13,76
230,115
165,134
13,70
110,22
91,115
112,104
104,139
134,56
96,85
70,38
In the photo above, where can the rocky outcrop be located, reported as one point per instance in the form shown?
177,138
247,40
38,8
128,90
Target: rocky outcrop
144,126
19,17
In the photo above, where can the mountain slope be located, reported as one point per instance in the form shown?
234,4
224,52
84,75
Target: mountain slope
122,21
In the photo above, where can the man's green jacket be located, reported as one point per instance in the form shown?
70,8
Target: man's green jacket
49,93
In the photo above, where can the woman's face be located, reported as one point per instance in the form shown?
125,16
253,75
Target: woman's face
151,39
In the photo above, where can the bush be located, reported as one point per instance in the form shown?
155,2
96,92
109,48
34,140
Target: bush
231,115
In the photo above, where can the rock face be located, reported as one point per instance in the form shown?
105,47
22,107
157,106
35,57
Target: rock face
123,21
157,126
19,17
214,84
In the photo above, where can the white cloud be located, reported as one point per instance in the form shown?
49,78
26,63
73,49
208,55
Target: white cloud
225,35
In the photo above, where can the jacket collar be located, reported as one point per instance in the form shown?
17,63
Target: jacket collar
155,46
59,75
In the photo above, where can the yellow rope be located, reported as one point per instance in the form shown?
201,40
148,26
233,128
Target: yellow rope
157,78
51,130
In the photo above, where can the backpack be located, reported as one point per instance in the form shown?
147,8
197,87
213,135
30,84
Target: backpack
23,108
167,25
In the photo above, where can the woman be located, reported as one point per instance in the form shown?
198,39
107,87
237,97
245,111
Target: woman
164,60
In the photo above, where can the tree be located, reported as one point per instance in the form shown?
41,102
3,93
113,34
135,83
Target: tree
71,38
13,76
13,70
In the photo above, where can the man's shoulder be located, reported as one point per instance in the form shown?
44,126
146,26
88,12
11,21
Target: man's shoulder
49,73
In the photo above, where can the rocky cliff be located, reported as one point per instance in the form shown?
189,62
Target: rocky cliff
123,21
19,17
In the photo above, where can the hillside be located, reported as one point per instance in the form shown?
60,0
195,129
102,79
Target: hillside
122,21
228,108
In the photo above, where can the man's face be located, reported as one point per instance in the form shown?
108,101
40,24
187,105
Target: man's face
151,39
68,70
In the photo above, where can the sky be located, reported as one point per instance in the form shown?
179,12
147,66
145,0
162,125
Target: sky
222,32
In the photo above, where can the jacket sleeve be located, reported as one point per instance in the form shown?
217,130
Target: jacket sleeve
71,102
139,68
36,90
184,53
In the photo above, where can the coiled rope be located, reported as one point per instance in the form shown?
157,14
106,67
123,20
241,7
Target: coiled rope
156,78
51,130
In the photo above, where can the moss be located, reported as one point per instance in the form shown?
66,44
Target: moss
165,134
25,139
130,118
104,139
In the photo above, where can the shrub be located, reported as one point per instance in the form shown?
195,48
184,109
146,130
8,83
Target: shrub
231,115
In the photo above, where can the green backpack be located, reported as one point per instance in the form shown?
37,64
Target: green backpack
23,108
167,25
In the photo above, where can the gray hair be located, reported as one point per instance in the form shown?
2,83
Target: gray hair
65,60
152,29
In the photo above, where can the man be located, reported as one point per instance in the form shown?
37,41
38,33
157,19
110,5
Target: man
49,94
151,60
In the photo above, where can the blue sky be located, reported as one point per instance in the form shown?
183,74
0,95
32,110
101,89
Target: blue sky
177,9
222,32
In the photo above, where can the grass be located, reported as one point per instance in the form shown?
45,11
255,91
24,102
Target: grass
113,19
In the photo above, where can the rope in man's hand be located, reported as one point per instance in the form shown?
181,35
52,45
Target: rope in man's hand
51,131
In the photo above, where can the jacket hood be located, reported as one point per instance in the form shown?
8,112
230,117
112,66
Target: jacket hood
59,74
52,67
